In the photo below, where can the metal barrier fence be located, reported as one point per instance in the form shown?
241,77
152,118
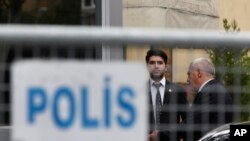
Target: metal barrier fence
79,35
79,42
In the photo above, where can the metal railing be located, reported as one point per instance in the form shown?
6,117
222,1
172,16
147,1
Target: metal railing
66,41
78,35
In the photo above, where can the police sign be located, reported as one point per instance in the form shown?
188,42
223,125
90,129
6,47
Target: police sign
73,100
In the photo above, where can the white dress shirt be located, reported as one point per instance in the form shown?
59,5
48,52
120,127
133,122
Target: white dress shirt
154,91
204,84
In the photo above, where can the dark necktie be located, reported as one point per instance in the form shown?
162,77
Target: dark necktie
158,105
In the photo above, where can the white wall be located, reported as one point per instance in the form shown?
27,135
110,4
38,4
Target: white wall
200,14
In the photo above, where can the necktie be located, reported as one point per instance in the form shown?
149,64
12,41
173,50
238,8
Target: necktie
158,105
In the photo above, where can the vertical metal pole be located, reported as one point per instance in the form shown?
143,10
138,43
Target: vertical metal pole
112,16
105,23
98,22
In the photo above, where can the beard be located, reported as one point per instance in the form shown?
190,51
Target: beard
194,89
156,77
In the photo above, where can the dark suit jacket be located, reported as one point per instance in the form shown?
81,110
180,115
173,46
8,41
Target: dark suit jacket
172,111
209,109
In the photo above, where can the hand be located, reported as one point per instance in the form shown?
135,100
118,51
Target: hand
153,136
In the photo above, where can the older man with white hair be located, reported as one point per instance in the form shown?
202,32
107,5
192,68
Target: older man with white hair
210,107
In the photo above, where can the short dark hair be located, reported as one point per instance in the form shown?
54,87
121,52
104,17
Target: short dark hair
156,52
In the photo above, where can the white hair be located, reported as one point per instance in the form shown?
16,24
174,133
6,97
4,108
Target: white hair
204,64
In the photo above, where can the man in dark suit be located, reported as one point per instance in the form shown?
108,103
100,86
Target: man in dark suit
211,106
167,101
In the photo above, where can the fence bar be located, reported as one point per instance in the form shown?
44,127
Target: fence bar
78,35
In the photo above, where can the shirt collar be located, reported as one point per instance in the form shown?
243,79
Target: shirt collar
204,84
163,81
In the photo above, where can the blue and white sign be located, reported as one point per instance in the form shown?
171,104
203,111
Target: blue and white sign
79,101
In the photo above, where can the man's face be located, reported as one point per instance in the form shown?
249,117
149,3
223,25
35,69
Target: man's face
193,78
156,67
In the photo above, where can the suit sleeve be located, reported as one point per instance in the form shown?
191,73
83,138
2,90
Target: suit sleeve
181,109
182,104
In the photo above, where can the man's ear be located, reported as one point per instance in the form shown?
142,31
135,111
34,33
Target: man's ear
166,68
199,73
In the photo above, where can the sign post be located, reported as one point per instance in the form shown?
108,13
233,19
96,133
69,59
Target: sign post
73,100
